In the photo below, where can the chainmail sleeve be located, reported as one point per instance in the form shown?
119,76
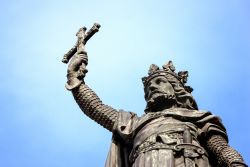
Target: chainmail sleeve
226,156
93,107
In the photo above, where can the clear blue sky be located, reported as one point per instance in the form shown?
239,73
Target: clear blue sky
42,126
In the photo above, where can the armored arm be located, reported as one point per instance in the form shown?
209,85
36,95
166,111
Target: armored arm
87,100
226,155
93,107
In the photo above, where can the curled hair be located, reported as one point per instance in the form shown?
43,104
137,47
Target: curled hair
184,99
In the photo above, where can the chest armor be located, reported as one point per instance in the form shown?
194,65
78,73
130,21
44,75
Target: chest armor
168,133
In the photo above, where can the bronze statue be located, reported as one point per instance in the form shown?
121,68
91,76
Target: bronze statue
171,133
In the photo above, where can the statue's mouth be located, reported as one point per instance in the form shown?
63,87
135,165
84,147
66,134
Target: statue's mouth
160,99
160,94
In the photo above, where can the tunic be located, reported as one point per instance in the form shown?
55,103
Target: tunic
157,139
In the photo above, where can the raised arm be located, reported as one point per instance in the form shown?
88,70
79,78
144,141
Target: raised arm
86,98
226,155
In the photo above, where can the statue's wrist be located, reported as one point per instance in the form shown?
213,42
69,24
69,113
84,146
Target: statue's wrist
73,83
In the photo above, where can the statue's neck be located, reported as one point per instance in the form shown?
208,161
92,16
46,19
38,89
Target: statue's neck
159,108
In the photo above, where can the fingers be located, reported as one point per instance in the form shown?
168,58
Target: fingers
82,71
77,60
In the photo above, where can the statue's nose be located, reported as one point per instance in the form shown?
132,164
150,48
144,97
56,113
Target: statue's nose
153,87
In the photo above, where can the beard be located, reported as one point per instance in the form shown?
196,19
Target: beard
160,101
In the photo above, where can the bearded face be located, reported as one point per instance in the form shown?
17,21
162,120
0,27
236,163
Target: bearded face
160,94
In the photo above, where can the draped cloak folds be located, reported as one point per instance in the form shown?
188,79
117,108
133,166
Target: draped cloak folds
131,131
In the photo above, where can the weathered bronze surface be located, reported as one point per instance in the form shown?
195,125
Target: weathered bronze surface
171,133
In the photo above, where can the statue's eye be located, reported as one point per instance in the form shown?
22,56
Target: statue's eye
160,80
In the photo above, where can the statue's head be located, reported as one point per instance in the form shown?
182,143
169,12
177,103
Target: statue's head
166,89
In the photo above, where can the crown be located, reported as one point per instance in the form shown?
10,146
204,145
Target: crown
167,71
